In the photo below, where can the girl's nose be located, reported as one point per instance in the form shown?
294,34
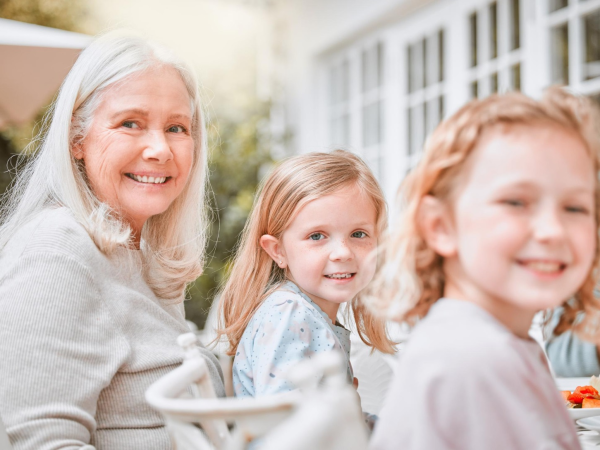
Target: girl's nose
341,252
548,225
157,148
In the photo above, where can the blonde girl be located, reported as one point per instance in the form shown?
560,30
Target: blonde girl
498,221
304,251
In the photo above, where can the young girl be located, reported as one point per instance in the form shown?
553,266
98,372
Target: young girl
499,221
306,249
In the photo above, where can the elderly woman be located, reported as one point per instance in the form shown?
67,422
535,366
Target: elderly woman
99,239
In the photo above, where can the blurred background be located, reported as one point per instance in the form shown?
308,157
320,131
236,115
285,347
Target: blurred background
288,76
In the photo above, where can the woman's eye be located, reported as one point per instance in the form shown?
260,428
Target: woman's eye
316,236
130,124
176,129
359,234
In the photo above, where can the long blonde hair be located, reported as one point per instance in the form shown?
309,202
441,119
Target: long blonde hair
410,279
254,275
173,242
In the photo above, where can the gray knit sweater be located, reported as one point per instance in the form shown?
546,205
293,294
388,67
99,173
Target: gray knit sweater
82,337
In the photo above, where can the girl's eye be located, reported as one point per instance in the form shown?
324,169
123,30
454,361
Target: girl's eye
130,124
359,234
577,209
316,236
177,129
514,202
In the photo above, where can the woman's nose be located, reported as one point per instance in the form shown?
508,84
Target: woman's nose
157,148
341,251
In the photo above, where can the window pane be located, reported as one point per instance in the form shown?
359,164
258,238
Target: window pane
371,124
494,83
416,129
441,54
340,130
345,82
515,77
370,62
515,24
379,66
433,114
559,44
591,25
493,9
554,5
432,74
474,89
473,33
409,59
339,88
416,66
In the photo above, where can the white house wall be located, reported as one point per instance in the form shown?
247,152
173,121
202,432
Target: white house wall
321,33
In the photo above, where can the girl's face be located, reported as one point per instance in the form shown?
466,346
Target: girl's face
326,247
523,233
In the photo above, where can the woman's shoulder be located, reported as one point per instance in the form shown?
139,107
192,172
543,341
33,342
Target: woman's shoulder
53,231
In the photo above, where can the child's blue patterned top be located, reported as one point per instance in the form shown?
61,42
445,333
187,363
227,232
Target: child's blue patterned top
287,328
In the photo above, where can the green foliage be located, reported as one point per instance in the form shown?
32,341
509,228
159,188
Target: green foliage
239,155
63,14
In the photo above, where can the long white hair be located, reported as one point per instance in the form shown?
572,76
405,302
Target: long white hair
172,243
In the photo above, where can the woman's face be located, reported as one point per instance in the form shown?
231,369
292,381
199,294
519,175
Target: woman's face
139,150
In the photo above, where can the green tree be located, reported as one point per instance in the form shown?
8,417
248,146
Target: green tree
240,155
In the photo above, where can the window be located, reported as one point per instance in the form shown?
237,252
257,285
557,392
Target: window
495,48
574,30
339,98
372,80
426,65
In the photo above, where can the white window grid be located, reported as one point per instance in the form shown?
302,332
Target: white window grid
426,90
355,98
573,16
502,71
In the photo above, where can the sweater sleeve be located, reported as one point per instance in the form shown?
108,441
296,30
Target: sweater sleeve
569,355
58,350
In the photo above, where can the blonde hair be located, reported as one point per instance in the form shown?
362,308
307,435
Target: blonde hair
410,279
173,242
294,183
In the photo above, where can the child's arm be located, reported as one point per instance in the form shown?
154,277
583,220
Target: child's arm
569,355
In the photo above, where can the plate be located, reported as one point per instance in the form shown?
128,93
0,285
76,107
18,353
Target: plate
569,384
591,423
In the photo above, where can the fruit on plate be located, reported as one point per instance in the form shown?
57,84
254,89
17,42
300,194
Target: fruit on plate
581,394
590,403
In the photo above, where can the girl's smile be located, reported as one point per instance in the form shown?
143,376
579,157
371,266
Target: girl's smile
522,233
326,247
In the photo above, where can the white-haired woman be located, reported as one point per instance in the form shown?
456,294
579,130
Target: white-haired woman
99,239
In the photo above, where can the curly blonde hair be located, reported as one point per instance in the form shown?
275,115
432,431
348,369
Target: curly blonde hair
410,279
254,275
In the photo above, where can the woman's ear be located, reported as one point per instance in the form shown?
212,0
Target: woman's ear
77,150
436,226
274,249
